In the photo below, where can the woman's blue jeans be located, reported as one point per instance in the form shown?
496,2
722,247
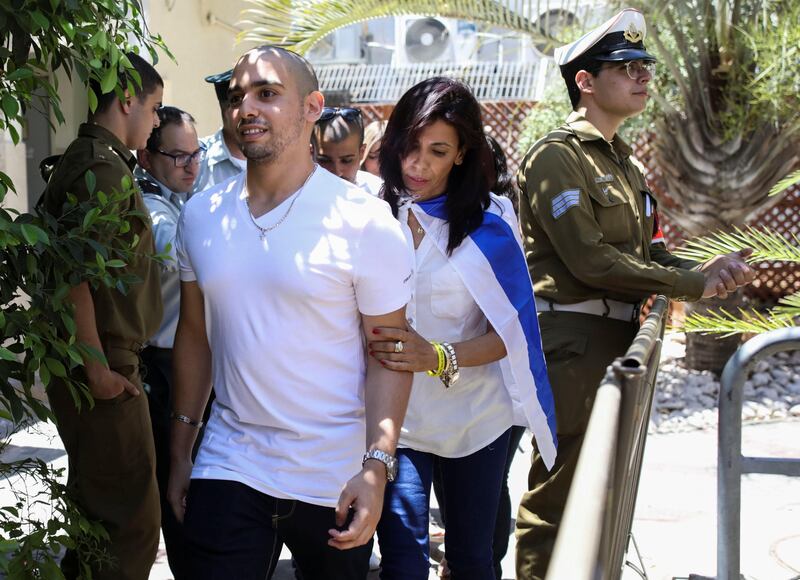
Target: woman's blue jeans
471,493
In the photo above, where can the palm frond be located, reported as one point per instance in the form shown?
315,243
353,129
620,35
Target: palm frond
300,24
726,324
789,305
785,183
766,245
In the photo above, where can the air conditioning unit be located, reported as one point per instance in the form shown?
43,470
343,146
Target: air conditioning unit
421,39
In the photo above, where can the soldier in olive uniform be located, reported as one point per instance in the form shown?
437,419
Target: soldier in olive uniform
110,446
594,252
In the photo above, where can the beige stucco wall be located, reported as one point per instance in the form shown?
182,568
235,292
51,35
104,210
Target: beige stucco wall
12,163
199,33
75,107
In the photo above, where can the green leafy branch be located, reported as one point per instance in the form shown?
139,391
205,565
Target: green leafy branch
789,181
766,245
43,258
746,321
41,521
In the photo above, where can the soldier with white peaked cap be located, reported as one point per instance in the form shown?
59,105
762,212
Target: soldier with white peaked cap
595,253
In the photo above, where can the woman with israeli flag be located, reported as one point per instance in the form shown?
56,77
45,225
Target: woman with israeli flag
472,340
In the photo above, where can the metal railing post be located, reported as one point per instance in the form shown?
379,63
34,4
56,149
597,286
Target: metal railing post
583,521
730,462
638,368
597,520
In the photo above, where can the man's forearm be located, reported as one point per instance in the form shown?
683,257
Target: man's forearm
386,398
191,369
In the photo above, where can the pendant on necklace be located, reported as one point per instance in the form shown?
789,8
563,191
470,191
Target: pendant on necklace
420,230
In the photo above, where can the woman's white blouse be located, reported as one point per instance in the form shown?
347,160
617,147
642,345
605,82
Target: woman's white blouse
477,409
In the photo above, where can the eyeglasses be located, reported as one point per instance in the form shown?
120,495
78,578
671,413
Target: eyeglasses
347,113
184,159
639,68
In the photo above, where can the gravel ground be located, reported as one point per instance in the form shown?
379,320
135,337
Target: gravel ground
686,400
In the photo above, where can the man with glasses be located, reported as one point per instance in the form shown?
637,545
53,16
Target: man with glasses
340,141
168,168
595,253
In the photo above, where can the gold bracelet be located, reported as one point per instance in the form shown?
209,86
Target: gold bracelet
441,360
185,419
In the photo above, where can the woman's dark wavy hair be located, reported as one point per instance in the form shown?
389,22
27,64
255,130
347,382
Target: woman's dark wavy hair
434,99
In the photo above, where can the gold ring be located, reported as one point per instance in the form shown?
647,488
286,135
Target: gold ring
398,346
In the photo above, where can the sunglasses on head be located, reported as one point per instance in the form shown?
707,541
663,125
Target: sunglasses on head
346,113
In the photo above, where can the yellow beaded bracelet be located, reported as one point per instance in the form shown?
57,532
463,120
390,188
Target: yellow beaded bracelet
442,360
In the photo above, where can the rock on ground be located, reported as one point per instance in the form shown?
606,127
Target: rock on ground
686,399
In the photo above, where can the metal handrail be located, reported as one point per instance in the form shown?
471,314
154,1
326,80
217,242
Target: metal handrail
730,462
597,519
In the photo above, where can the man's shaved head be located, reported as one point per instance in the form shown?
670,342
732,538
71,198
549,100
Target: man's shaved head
274,101
302,71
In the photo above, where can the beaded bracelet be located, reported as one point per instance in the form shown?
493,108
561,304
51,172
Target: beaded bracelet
441,356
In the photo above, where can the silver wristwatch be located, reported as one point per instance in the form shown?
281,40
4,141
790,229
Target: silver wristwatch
388,460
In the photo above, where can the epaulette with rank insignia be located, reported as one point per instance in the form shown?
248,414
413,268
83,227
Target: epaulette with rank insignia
102,150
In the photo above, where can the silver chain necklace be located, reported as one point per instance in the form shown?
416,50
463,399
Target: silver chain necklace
263,231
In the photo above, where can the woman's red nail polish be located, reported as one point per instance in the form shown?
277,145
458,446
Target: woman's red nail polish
375,331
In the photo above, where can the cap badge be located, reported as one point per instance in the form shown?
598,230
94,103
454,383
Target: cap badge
633,34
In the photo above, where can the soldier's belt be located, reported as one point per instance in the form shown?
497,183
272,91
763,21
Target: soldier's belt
599,307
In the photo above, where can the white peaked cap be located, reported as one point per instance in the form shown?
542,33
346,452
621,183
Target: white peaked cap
621,38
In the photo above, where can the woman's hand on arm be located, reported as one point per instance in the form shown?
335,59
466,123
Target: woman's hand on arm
418,354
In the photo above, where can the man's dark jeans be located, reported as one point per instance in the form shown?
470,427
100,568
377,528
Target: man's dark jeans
236,533
158,379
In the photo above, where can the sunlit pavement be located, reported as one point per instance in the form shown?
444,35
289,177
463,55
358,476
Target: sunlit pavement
675,521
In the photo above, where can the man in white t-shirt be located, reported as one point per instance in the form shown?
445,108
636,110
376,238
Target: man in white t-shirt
284,271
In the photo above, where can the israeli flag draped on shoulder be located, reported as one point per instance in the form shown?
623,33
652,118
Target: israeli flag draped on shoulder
491,263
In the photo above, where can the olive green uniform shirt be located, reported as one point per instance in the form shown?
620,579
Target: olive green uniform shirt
124,321
587,222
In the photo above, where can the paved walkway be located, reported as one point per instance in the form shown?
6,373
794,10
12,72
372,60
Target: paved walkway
675,519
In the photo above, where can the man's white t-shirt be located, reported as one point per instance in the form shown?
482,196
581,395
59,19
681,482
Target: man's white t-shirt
284,327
